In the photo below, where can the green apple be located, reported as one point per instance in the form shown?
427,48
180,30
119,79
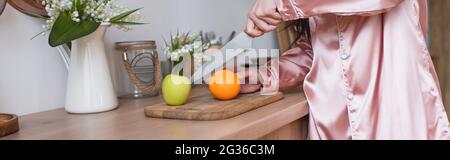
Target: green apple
176,89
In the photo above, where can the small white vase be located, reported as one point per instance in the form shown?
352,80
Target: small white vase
89,87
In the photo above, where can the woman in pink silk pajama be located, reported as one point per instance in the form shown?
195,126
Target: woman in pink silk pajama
366,71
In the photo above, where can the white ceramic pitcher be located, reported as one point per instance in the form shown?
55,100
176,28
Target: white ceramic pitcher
90,88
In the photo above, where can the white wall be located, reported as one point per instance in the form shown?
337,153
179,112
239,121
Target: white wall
33,77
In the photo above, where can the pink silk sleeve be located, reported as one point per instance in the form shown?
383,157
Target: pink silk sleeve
296,9
293,67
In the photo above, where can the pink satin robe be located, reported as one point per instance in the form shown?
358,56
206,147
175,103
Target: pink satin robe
367,72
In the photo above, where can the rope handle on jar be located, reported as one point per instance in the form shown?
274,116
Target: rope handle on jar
141,85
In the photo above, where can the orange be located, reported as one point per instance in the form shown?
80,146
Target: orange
224,85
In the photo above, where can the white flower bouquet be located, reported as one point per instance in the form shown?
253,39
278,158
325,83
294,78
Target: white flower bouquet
72,19
185,44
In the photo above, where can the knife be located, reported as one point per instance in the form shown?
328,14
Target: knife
239,44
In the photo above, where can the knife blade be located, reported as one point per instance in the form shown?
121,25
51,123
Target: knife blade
239,44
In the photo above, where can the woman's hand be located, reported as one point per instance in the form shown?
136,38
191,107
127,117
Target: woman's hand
245,76
263,18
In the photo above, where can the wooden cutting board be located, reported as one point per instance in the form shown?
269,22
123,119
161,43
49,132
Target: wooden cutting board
207,108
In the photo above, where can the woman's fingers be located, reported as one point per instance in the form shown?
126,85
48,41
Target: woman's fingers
263,17
246,85
261,24
276,15
271,21
252,30
250,88
271,16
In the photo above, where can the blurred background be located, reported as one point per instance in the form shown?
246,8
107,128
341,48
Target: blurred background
33,75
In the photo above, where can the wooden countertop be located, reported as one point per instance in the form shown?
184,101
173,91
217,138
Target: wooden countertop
129,122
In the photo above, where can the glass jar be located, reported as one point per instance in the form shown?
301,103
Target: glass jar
142,67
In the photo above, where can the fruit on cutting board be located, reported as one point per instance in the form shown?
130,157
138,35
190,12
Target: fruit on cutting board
224,85
176,89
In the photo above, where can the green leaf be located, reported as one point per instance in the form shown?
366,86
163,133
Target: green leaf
35,15
66,30
74,5
81,7
123,15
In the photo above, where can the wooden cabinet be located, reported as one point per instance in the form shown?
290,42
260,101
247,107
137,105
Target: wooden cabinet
440,44
283,120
